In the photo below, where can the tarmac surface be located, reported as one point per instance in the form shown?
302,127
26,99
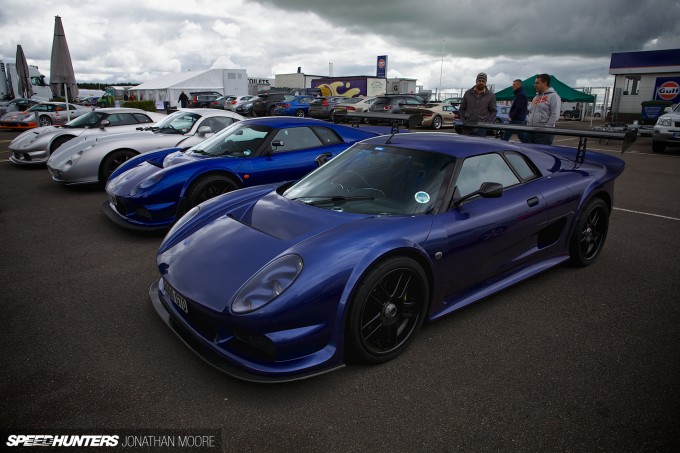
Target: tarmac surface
571,360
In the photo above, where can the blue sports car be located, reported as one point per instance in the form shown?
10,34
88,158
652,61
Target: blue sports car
281,282
154,189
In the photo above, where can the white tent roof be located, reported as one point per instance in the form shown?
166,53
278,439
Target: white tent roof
202,80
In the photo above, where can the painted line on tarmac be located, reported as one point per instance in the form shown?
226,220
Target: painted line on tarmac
647,213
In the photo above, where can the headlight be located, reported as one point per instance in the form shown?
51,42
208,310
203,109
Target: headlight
664,121
266,285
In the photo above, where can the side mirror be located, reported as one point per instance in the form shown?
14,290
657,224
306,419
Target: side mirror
204,130
321,159
486,190
104,124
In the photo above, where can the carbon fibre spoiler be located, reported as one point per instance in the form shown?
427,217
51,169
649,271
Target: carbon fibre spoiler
628,137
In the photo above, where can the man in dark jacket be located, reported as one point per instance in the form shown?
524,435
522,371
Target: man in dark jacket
518,110
183,99
478,106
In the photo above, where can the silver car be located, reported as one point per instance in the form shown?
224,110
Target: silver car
34,146
42,114
667,130
91,160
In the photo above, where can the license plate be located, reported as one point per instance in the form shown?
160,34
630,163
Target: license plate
676,135
177,298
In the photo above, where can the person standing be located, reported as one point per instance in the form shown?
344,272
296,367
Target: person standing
518,110
544,110
183,99
478,106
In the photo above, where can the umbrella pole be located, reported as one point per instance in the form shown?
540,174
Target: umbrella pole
68,108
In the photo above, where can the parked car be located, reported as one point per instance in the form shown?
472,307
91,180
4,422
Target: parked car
667,130
245,108
234,101
153,191
323,107
17,105
393,103
265,103
346,264
435,116
35,146
219,102
502,114
42,114
89,101
294,106
202,99
91,161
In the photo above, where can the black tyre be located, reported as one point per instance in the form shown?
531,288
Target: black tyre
58,142
209,187
497,121
590,233
387,309
113,161
437,122
271,110
300,113
45,120
658,147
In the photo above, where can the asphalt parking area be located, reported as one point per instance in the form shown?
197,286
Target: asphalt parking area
573,359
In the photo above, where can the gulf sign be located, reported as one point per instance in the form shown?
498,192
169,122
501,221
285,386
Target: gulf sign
667,89
381,66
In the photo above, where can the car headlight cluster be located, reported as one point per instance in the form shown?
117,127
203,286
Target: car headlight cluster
664,121
267,284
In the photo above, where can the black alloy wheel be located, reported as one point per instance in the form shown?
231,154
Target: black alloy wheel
590,233
112,161
300,113
209,187
387,309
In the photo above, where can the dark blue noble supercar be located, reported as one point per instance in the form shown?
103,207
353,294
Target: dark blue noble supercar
280,282
153,190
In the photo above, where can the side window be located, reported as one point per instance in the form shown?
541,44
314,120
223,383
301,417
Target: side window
124,119
328,136
217,123
141,118
485,168
521,166
295,138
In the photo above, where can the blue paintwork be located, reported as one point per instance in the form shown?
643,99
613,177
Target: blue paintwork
292,107
159,205
486,244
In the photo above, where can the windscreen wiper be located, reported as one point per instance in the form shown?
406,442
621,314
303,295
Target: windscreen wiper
321,200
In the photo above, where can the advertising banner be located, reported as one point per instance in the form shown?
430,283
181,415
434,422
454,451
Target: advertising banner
667,89
381,66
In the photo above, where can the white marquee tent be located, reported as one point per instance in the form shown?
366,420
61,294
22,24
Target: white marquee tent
170,86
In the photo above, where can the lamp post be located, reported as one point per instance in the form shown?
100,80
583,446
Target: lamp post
441,69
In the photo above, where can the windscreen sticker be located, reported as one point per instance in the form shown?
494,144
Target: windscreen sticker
422,197
246,152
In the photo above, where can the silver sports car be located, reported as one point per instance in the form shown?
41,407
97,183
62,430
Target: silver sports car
34,146
89,160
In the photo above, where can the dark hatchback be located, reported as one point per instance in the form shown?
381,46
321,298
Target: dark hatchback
392,104
266,103
324,107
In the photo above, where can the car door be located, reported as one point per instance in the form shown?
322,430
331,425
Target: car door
300,146
486,237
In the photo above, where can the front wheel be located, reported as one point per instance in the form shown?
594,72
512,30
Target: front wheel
209,187
590,233
45,120
300,113
113,161
387,309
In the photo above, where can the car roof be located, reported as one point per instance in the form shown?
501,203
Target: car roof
119,110
456,145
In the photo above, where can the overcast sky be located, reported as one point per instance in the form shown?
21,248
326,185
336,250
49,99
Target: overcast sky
135,41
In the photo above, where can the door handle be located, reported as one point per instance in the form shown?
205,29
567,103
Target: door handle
533,201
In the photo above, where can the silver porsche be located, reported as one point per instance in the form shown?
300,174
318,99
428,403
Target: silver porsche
34,146
91,159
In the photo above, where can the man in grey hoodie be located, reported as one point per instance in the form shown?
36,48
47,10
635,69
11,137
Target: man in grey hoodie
544,110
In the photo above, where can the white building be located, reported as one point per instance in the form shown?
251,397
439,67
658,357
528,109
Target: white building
170,86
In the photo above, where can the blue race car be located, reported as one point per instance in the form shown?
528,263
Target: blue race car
153,190
296,106
280,282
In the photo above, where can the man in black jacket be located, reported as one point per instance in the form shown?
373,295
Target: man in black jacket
518,110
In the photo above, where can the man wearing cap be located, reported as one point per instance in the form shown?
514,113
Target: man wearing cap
478,106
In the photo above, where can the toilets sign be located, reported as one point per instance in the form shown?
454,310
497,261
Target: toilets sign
667,89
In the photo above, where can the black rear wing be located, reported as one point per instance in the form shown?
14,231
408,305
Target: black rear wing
628,137
394,119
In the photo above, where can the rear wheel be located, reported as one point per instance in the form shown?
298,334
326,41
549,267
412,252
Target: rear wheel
387,310
209,187
45,120
437,122
112,161
590,233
